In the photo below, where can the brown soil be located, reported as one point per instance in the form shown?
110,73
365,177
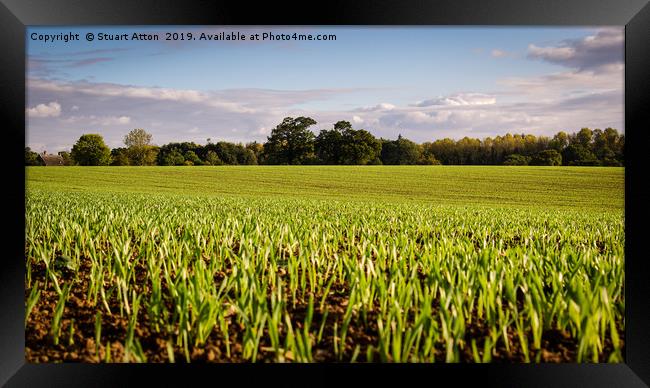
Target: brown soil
557,346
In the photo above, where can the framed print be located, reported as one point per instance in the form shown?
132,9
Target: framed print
369,191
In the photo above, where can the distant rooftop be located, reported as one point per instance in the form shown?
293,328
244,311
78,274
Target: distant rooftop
51,160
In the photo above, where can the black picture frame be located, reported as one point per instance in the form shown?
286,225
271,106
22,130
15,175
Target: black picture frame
15,15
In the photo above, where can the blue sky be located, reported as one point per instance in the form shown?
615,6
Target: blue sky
422,82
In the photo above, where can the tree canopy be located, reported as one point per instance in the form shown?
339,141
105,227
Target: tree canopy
293,142
139,150
90,150
345,145
31,158
547,158
400,151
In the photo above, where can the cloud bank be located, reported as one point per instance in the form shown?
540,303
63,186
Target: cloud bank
53,109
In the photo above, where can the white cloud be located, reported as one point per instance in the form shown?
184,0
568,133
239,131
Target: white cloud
539,105
236,101
53,109
551,54
122,120
357,120
462,99
379,107
115,90
496,53
460,119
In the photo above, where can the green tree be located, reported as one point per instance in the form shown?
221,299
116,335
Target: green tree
67,158
345,145
358,146
257,149
140,151
120,157
427,153
212,159
560,141
610,158
547,158
172,158
192,159
400,151
613,139
584,137
32,158
247,157
137,138
291,142
606,147
579,155
90,150
172,154
428,159
516,160
442,149
620,148
468,150
226,151
328,146
231,153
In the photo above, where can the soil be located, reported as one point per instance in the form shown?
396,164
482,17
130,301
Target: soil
557,346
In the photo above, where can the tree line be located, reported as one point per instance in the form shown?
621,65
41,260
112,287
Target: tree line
292,143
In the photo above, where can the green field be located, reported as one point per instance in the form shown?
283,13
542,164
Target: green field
577,188
320,263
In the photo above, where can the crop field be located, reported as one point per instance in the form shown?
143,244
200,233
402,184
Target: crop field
324,264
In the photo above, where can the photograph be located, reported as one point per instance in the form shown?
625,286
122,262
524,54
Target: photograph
324,194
